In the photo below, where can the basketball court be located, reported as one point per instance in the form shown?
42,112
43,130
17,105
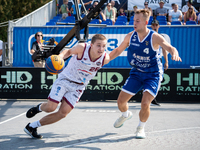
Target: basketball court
90,127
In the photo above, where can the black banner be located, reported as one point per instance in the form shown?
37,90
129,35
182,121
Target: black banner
178,85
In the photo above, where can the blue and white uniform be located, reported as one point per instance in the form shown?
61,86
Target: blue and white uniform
147,71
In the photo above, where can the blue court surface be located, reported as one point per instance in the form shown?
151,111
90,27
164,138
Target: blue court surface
90,127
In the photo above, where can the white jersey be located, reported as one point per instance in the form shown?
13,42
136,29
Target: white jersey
167,38
83,70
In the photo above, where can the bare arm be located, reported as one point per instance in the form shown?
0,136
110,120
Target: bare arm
107,59
117,51
87,3
103,16
180,18
170,18
159,40
76,50
166,58
1,51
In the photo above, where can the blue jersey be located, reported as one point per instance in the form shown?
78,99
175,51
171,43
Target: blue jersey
142,56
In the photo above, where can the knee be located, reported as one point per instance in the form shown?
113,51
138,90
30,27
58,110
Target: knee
50,108
145,105
63,114
120,102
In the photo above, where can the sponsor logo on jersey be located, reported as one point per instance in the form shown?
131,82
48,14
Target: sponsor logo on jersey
85,71
98,63
85,63
147,43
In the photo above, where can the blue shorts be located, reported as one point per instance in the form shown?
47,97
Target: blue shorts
143,81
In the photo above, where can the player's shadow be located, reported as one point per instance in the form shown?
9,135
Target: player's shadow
8,105
17,142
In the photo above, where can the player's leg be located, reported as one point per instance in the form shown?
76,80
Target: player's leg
151,87
130,88
64,109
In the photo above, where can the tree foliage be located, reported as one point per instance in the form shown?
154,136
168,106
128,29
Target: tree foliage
13,9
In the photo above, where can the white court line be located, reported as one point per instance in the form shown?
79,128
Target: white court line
13,118
120,136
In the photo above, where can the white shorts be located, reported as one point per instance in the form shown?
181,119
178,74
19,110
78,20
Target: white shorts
64,89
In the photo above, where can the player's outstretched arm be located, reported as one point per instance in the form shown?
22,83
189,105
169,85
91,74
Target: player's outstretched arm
159,40
76,50
117,51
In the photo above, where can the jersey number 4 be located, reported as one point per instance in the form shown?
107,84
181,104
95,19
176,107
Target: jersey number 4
146,50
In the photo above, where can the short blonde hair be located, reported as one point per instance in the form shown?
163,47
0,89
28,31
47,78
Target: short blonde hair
146,13
97,37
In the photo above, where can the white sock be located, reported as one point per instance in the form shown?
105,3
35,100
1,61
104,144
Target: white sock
40,107
141,124
125,114
35,124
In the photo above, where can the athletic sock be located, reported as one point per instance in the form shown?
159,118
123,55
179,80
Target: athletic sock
40,107
35,124
141,124
125,114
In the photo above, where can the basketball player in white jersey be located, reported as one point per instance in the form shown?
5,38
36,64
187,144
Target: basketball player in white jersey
87,59
147,70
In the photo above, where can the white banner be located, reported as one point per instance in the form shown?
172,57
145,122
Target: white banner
153,4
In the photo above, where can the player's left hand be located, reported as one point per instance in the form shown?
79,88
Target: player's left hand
176,58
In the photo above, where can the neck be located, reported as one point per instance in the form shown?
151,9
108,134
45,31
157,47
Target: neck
143,33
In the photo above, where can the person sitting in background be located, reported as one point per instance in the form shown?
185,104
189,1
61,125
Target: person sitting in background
96,15
185,7
148,8
110,13
64,9
172,5
161,11
175,15
121,12
190,15
73,9
37,47
1,52
198,19
113,7
134,10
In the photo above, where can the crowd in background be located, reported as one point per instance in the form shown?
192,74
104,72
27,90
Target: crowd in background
184,14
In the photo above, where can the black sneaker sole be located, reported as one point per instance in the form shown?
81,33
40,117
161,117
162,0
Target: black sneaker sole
27,132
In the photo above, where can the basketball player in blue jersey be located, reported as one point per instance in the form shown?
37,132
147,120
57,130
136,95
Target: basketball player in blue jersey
87,59
147,70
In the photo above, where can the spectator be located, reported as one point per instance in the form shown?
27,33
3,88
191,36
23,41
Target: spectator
110,13
172,5
185,7
198,19
190,15
96,16
113,7
175,15
161,11
134,10
1,52
73,9
37,48
121,12
64,9
148,8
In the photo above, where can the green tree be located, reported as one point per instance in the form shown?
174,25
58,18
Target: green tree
13,9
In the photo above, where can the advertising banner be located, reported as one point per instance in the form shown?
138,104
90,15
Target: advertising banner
178,85
184,38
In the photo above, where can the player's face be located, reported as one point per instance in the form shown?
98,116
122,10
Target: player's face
155,27
139,22
99,47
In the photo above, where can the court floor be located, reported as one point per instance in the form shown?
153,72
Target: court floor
90,127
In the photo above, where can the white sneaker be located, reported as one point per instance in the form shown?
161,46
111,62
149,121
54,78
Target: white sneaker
140,134
120,121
